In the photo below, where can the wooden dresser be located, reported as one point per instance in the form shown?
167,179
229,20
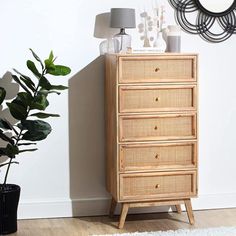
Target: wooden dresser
151,130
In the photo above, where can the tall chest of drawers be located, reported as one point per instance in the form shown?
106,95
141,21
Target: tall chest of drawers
151,130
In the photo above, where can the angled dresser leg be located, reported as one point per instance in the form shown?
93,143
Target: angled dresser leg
178,209
113,207
189,210
124,211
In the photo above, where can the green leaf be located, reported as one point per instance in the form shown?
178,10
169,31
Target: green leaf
46,92
4,124
20,126
36,130
59,87
23,99
35,136
59,70
28,82
28,150
20,83
9,150
18,111
49,62
44,83
5,137
2,94
42,115
35,125
37,58
40,102
31,66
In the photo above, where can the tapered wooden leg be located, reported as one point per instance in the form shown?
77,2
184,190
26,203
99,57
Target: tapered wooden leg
113,207
189,210
178,209
124,211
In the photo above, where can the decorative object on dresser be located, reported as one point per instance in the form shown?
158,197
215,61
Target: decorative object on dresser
214,20
173,38
123,18
152,28
151,130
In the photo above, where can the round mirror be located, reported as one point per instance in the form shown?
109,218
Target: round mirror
216,6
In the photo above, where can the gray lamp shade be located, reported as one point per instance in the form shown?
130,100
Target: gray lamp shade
122,18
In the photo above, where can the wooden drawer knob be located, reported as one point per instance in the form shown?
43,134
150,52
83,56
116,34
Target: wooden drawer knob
157,186
155,127
157,99
157,69
157,156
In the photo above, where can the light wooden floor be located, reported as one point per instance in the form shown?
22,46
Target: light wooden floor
143,222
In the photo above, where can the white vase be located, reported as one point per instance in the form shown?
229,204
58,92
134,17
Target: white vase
160,43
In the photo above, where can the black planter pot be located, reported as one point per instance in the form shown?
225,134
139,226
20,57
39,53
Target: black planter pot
9,199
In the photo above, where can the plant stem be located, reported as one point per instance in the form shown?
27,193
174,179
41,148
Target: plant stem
10,162
6,175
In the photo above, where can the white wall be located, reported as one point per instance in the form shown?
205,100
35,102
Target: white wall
70,164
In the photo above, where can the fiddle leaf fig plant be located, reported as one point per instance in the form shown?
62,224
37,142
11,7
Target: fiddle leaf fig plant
28,109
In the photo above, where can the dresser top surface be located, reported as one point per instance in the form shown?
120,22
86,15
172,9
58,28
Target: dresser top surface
151,54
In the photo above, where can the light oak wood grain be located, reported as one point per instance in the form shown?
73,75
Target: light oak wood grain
157,69
178,209
189,210
157,127
152,130
151,157
124,211
157,98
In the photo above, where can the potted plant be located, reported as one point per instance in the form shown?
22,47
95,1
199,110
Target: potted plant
28,109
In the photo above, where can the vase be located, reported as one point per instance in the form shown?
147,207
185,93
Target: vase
9,199
173,38
160,43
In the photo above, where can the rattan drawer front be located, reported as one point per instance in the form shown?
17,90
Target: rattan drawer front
135,70
158,156
157,98
157,185
157,127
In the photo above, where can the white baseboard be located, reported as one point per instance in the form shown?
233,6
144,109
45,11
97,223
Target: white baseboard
99,206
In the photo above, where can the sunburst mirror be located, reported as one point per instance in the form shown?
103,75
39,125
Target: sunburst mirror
213,20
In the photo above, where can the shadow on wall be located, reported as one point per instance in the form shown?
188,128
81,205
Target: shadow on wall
86,134
87,143
12,89
102,30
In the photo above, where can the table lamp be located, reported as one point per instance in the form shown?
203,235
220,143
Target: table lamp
123,18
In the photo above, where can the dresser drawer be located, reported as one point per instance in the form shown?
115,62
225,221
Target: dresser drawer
157,69
157,127
158,185
157,98
139,157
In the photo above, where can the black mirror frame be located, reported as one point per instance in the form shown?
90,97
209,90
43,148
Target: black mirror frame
205,20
